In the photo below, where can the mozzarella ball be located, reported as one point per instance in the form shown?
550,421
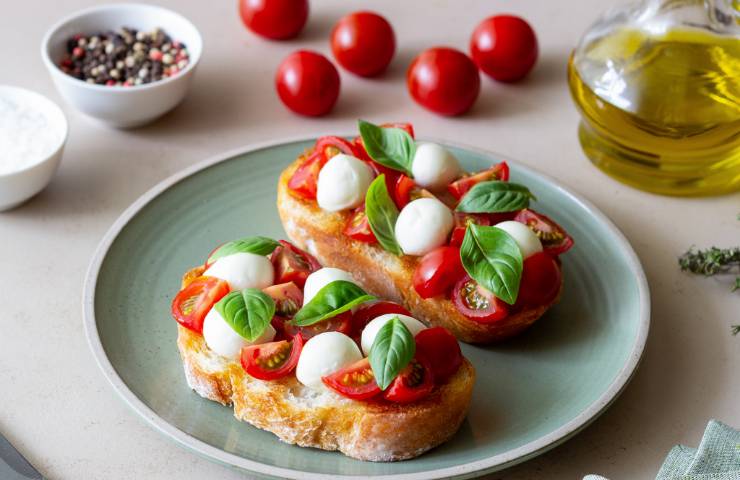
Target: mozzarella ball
321,278
525,238
434,167
342,183
222,339
373,327
243,270
323,355
423,225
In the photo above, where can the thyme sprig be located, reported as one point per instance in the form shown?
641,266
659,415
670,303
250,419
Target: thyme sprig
711,261
735,329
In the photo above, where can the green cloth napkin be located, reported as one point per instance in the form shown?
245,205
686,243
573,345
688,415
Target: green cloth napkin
717,458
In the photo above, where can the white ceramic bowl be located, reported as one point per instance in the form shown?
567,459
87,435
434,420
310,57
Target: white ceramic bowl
17,186
122,107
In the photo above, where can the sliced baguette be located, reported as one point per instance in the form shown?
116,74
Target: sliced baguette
380,272
374,431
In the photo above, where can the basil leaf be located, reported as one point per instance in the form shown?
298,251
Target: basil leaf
334,298
256,245
382,214
248,312
495,196
391,147
392,350
493,259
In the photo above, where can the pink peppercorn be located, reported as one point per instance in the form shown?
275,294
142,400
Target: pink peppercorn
110,83
155,55
78,52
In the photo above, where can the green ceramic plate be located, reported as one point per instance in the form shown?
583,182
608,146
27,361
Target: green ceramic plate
532,393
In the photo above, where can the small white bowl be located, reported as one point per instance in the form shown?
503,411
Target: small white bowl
17,186
122,107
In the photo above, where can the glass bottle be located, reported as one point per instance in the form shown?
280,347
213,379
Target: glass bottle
658,87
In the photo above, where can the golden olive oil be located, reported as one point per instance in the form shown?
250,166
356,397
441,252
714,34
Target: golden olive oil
661,112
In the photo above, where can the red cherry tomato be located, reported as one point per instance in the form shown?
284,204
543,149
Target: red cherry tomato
288,298
275,19
269,361
358,227
292,264
342,323
407,127
370,310
437,271
440,348
462,221
402,191
443,80
504,47
355,381
415,382
554,238
478,303
331,145
460,187
304,180
541,279
193,302
363,43
307,83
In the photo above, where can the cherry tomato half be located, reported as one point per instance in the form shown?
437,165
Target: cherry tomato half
443,80
415,382
275,19
541,280
358,226
441,350
437,271
292,264
504,47
272,360
331,145
363,43
371,310
355,381
460,187
407,127
478,303
342,323
193,302
462,221
554,238
402,191
288,298
304,180
307,83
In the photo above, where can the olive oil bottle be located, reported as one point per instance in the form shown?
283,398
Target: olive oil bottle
660,105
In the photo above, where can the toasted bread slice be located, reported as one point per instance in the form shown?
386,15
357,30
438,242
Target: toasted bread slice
377,431
380,272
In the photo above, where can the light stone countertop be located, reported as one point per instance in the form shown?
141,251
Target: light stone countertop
57,408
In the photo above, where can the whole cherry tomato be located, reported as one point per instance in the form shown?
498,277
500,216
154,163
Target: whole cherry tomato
437,271
541,280
275,19
504,47
363,43
307,83
444,80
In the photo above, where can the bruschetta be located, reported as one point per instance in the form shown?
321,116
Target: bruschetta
305,353
460,250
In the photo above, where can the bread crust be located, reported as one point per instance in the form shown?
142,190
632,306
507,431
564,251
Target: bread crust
375,431
382,273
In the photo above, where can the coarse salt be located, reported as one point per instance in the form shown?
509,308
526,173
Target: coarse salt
27,136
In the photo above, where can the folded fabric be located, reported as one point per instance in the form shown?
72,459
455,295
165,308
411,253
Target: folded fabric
717,458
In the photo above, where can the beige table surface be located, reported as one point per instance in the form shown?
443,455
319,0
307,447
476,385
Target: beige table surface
57,408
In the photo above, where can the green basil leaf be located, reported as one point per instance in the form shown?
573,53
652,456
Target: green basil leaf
334,298
391,147
493,259
256,245
392,350
495,196
248,312
382,214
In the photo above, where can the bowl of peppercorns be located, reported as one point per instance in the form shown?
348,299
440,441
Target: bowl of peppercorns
123,64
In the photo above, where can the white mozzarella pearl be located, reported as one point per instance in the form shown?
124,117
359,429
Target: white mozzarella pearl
222,339
423,225
243,270
528,242
323,355
434,167
342,183
373,327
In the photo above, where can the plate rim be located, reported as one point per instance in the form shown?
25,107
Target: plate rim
464,470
